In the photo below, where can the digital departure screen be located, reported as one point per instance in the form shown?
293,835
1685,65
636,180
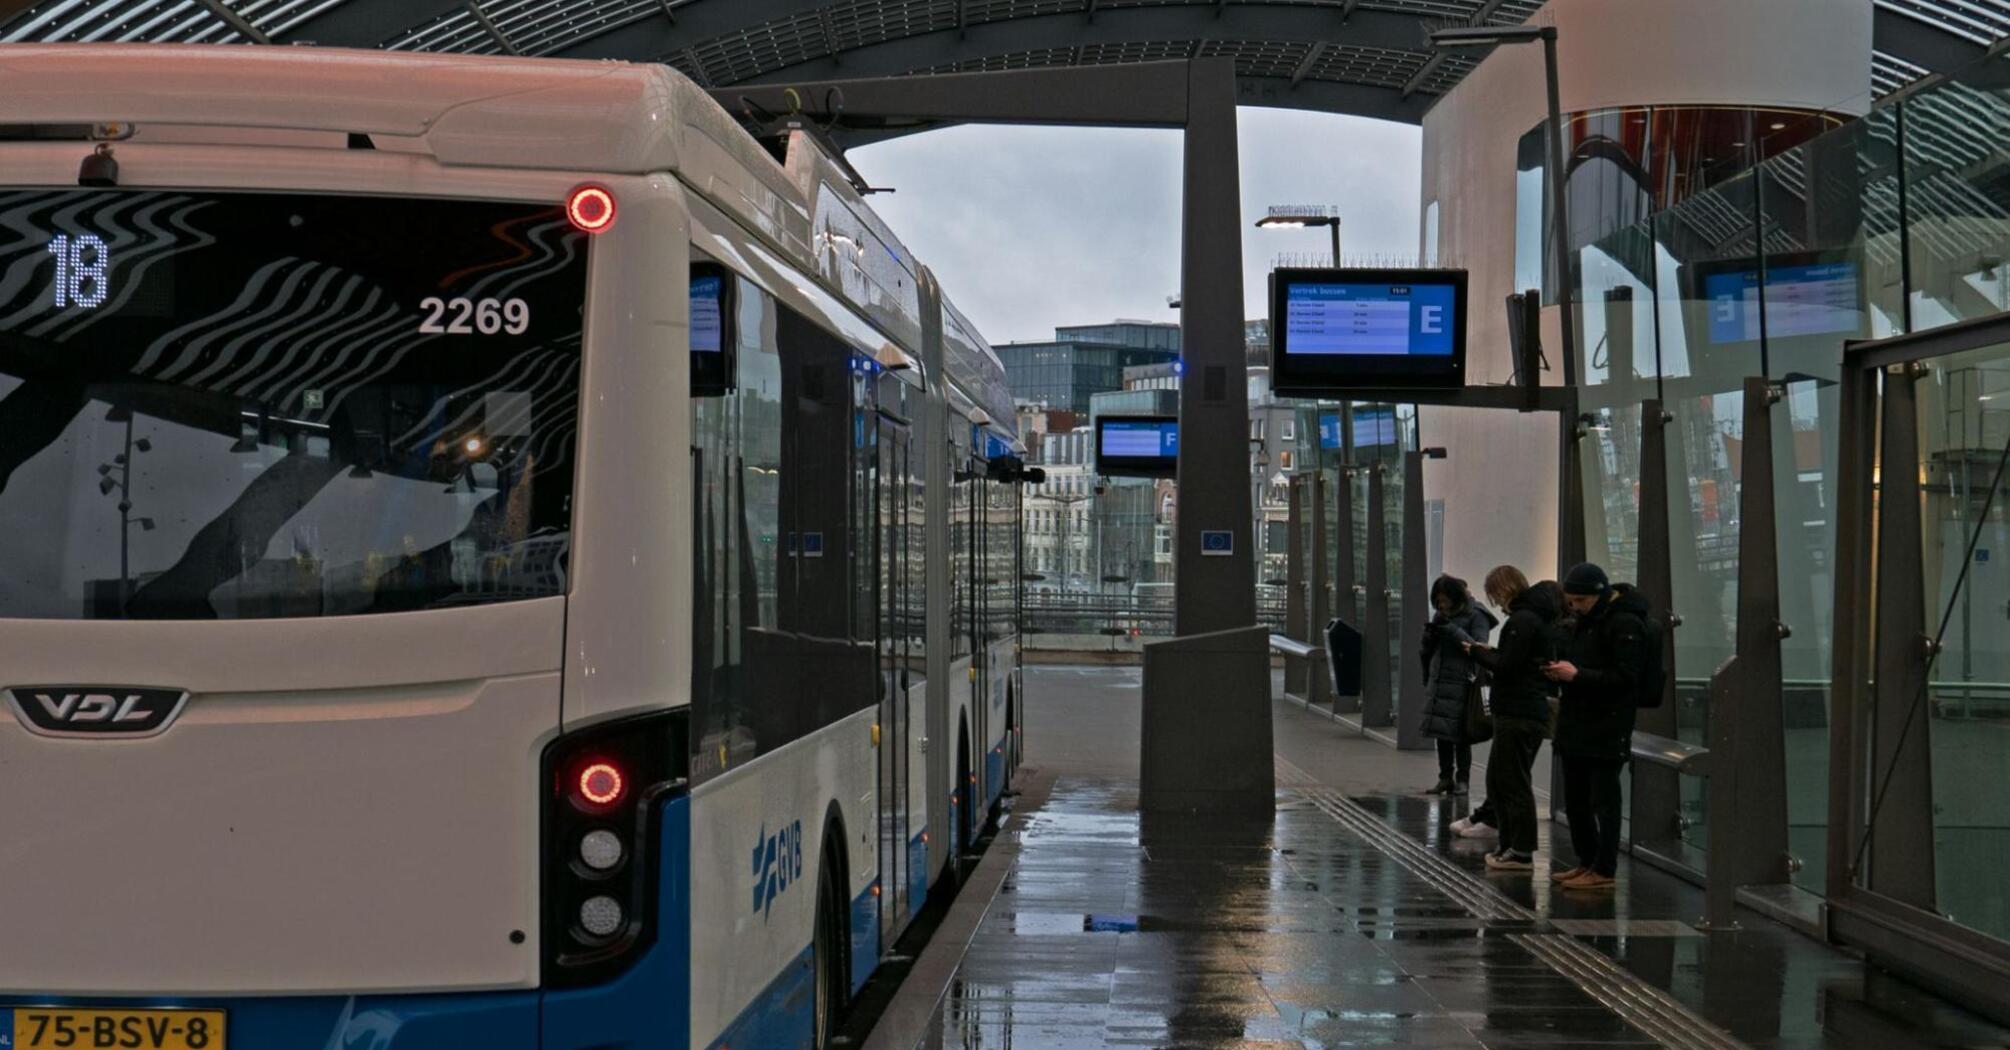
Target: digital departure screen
1329,431
1373,425
1370,319
1339,330
712,335
1137,446
1814,298
706,329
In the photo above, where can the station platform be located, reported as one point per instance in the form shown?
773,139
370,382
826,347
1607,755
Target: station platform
1352,919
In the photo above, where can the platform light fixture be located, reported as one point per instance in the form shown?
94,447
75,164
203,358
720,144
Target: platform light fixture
1291,217
1461,38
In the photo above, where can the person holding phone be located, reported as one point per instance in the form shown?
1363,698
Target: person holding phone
1520,702
1594,729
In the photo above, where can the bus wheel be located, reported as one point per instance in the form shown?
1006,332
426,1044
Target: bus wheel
829,975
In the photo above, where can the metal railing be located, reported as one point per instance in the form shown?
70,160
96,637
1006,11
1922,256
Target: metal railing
1079,618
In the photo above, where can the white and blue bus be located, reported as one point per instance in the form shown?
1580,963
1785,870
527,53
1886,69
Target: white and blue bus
494,556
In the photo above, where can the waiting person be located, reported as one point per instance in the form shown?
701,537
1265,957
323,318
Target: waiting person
1449,676
1594,728
1520,702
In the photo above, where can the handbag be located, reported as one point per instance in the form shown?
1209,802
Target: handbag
1479,724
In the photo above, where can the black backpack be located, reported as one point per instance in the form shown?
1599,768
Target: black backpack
1653,680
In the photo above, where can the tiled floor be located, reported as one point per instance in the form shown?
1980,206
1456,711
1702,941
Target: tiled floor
1112,930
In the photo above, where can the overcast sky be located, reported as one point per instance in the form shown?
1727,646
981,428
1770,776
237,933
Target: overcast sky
1032,227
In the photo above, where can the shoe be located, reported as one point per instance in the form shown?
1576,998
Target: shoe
1591,880
1566,876
1507,861
1444,788
1462,788
1468,828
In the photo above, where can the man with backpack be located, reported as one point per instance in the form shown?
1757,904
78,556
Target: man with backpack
1605,675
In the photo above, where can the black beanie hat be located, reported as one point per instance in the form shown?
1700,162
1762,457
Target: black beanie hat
1585,578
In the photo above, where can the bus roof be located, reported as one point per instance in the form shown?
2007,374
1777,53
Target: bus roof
463,109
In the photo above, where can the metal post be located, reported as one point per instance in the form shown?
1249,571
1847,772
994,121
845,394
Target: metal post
1569,486
1411,693
1377,705
1901,832
1850,662
1560,204
1334,229
1656,799
1319,689
1348,607
1748,782
1296,625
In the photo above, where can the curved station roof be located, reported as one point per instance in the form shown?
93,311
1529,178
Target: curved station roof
1365,57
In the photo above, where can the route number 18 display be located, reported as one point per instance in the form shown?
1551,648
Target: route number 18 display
81,262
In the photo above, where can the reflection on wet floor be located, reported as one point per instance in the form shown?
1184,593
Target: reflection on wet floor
1113,930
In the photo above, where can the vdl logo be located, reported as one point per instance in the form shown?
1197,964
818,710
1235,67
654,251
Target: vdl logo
95,710
778,863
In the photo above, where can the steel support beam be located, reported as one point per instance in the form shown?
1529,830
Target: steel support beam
1656,798
1748,780
1377,703
1213,592
488,26
1920,43
236,21
1901,772
1416,599
1147,94
1222,715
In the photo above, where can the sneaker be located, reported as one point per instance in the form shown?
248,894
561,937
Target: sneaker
1467,828
1566,876
1506,860
1591,880
1462,788
1444,788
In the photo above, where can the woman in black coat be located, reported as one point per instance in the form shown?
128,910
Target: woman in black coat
1457,622
1520,700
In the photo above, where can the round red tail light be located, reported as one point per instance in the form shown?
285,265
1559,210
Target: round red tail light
601,784
591,208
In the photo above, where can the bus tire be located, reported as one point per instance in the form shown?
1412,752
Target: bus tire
827,956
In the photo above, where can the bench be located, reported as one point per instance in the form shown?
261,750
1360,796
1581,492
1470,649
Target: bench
1687,759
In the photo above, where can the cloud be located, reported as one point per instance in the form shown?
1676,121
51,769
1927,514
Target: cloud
1033,227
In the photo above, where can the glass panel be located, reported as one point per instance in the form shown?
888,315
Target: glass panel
1706,354
1964,414
1832,257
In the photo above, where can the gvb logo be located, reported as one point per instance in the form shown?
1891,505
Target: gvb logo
778,863
95,711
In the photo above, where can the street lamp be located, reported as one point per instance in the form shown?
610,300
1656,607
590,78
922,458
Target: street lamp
1467,37
1300,218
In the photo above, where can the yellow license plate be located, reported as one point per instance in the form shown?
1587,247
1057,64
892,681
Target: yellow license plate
66,1028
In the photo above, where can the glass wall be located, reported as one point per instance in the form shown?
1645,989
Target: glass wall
1895,222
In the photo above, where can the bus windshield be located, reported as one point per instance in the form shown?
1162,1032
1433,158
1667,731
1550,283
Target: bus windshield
253,405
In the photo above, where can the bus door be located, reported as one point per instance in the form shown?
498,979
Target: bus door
980,564
892,576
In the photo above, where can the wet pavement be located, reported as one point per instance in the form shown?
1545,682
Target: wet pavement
1351,919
